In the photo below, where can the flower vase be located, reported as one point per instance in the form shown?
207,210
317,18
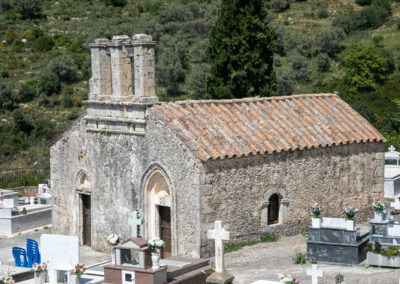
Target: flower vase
316,222
32,200
39,277
155,259
350,224
112,256
378,216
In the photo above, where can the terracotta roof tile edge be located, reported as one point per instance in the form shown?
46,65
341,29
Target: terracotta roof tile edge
253,99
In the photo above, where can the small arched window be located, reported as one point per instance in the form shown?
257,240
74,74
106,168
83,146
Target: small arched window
273,209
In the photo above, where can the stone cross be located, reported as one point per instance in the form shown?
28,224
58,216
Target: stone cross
314,273
134,222
391,148
219,235
396,204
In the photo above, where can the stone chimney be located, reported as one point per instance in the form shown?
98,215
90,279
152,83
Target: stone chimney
115,104
100,83
144,64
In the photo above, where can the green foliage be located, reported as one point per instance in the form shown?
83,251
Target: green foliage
300,258
21,122
64,67
28,9
323,62
241,52
44,43
330,40
197,80
279,5
37,32
365,67
26,93
322,12
49,83
364,2
285,81
235,246
7,100
345,22
116,3
300,66
391,251
67,101
363,109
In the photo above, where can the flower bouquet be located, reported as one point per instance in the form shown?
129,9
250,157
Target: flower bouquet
39,267
316,210
113,239
156,243
350,213
78,270
378,207
287,279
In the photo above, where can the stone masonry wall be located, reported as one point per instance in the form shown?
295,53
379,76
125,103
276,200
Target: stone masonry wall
116,165
335,177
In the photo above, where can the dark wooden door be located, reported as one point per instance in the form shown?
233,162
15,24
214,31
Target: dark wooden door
165,229
273,209
86,220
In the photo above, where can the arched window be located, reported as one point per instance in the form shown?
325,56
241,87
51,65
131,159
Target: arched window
273,209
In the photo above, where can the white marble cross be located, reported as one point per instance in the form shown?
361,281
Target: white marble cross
220,235
134,222
314,273
396,203
391,148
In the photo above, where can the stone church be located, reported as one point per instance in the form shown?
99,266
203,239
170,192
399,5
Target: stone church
257,164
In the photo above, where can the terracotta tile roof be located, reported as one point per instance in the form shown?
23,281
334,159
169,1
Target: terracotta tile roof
218,129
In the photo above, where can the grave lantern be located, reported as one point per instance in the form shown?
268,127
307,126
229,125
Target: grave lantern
133,252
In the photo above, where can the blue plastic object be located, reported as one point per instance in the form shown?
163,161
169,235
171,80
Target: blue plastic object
33,254
20,257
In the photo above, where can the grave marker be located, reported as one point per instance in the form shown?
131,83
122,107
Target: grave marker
314,273
396,204
219,235
134,222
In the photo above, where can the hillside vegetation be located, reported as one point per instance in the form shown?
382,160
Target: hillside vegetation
352,47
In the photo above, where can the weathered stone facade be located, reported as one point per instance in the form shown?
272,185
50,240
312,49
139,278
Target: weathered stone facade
125,156
335,177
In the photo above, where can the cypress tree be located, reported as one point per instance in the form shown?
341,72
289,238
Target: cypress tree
241,50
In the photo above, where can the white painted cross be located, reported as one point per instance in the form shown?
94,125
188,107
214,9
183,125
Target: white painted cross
134,222
220,235
314,273
396,204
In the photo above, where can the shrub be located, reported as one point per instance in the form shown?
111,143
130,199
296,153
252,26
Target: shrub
365,67
330,41
37,32
7,100
28,9
64,67
323,62
44,43
67,102
300,258
301,67
363,2
285,83
116,3
48,82
371,17
345,22
62,41
279,5
322,12
21,122
197,80
26,93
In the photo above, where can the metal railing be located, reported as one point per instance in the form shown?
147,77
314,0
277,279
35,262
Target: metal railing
10,178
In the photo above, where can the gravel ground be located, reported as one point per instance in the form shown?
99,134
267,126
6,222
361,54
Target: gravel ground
265,260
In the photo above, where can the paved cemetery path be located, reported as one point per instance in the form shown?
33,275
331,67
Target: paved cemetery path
264,261
87,255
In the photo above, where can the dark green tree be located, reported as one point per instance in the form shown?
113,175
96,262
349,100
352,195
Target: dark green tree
241,51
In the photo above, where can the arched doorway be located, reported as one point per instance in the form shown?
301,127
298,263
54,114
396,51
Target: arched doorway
273,209
159,210
85,208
